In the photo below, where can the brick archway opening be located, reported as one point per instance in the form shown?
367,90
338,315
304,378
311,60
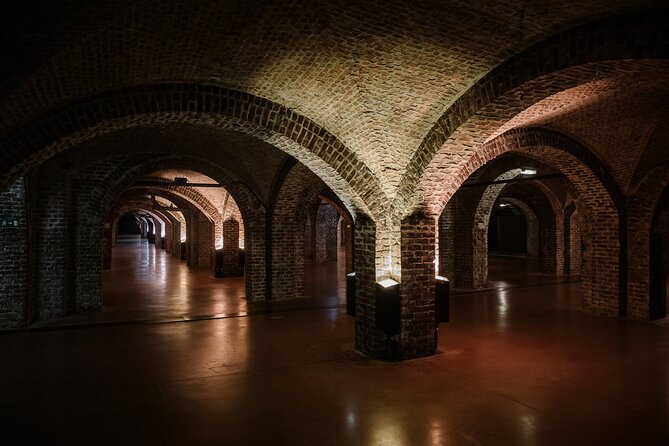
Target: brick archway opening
658,253
597,202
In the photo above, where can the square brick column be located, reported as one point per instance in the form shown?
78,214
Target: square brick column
14,271
255,260
368,339
418,331
418,335
231,266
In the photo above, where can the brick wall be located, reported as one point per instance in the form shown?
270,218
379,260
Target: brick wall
642,209
299,192
368,339
326,233
533,242
14,268
51,260
231,248
447,240
205,240
418,332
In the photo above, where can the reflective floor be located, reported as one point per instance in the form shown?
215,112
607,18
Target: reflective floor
516,366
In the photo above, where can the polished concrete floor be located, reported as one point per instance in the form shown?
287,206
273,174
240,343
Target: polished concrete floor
515,366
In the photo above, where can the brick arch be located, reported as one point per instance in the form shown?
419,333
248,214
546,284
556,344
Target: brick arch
532,225
136,207
167,219
529,142
199,231
572,240
642,205
177,219
172,195
203,204
300,189
601,204
603,257
479,229
347,219
121,174
604,41
656,150
548,211
134,193
197,104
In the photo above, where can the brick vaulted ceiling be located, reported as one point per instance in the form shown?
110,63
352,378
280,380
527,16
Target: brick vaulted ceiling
378,75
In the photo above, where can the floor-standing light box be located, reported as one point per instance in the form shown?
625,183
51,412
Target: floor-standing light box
388,307
350,294
441,299
218,263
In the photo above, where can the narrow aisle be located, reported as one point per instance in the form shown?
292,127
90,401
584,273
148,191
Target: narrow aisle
148,283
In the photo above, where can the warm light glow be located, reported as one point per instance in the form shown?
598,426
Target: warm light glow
219,245
351,274
162,230
387,283
441,278
528,171
386,429
183,239
503,205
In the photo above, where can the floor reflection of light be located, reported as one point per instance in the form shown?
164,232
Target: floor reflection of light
387,430
501,302
437,437
528,428
350,418
502,308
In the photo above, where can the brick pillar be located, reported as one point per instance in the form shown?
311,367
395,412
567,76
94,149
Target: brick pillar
176,239
287,256
192,238
368,339
447,240
418,335
14,268
86,276
231,249
106,246
85,250
255,250
469,269
205,241
50,247
169,235
158,227
349,236
326,233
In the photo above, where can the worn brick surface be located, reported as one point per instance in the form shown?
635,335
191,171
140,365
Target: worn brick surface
392,106
14,272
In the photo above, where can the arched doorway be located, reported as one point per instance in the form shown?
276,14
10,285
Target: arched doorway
659,255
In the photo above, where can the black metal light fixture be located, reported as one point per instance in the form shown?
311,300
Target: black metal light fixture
388,307
218,263
441,299
183,251
388,312
350,294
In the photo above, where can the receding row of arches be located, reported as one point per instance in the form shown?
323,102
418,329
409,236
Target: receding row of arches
413,199
532,203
